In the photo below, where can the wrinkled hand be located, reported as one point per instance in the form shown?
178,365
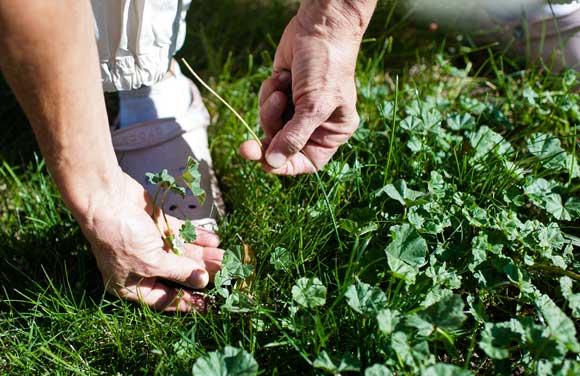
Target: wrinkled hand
319,68
131,255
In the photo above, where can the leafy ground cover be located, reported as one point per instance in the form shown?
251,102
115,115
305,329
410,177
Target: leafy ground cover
450,245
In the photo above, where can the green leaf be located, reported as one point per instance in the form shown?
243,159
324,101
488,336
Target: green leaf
281,259
530,95
459,122
192,178
539,343
378,370
345,364
364,298
233,267
442,369
413,356
548,149
162,178
228,362
412,124
188,232
212,364
424,328
573,207
561,326
498,339
388,320
407,245
398,191
178,190
572,298
569,78
446,314
550,237
238,302
477,310
542,193
407,252
309,292
485,141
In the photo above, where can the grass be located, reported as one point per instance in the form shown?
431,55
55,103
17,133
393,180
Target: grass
486,235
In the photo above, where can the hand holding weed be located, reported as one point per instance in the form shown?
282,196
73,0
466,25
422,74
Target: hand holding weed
315,61
133,258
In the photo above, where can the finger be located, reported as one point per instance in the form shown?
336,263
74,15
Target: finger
205,238
293,137
271,113
298,164
251,150
325,138
163,298
302,163
279,81
210,257
182,270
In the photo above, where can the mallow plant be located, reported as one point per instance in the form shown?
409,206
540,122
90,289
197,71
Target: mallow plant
191,178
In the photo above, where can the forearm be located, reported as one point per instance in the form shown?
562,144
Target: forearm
329,17
49,58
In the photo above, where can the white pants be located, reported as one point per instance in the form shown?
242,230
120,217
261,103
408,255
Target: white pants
137,39
479,15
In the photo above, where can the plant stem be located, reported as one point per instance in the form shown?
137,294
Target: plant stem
327,201
169,237
555,270
391,141
202,82
154,213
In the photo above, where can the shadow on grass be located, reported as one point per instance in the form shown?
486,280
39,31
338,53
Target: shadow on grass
55,260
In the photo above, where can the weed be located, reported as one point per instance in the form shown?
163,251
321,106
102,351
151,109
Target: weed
166,184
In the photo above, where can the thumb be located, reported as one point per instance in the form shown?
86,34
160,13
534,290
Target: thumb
293,136
182,270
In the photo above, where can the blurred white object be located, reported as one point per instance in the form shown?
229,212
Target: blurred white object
471,15
535,29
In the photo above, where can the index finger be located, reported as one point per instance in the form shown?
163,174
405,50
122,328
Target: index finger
279,81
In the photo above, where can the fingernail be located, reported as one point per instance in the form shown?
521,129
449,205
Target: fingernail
284,77
276,160
200,279
273,100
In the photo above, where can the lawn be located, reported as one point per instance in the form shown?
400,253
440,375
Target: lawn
443,239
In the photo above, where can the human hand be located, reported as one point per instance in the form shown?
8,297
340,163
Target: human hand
132,257
318,64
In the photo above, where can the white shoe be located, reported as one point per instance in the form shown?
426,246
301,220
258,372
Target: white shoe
159,127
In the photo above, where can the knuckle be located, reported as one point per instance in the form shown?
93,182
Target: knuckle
314,108
355,122
293,141
122,292
148,270
119,290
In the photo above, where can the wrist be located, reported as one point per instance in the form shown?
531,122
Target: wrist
85,192
336,18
